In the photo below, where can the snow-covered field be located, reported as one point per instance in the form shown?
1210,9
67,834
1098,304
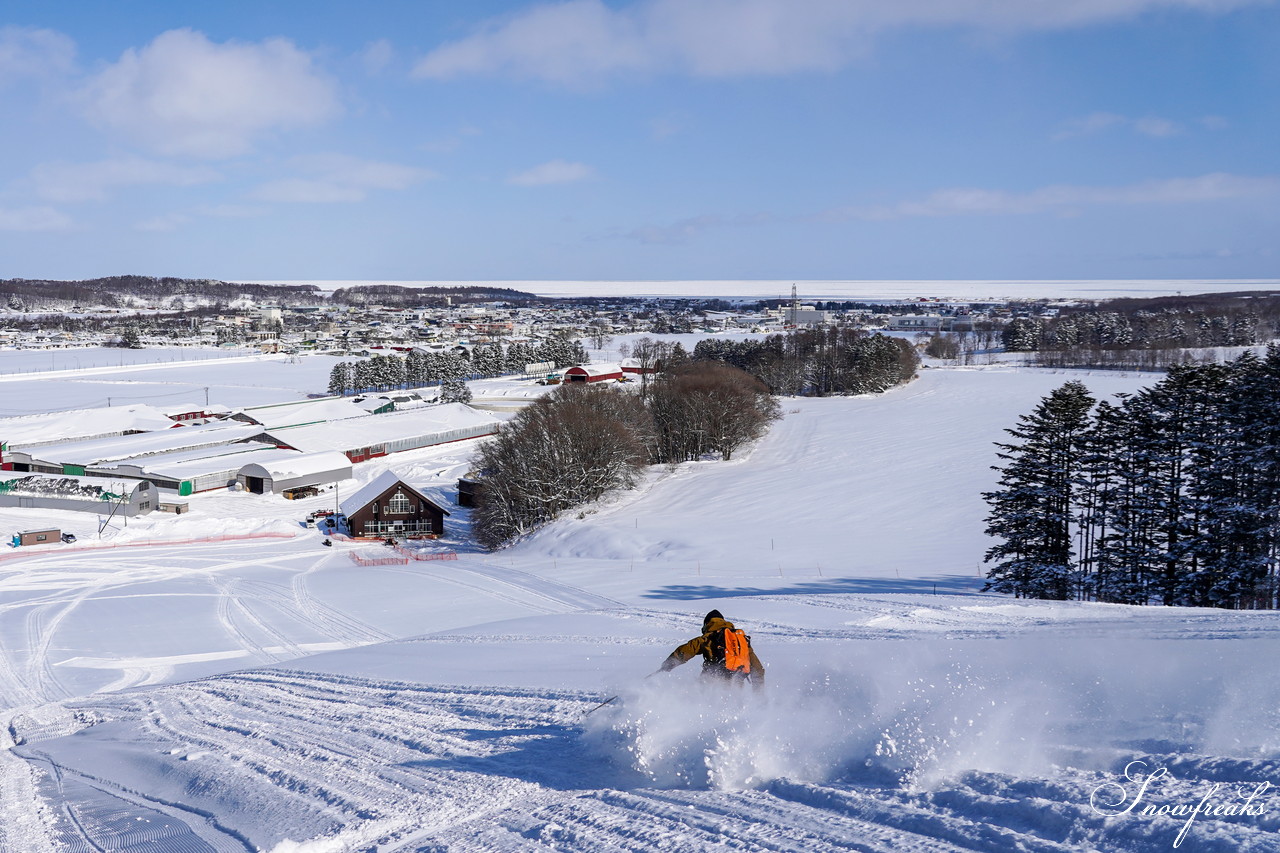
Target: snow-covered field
271,694
30,385
81,358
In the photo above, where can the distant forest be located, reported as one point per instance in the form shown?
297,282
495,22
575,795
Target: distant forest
124,291
400,296
1169,496
1145,333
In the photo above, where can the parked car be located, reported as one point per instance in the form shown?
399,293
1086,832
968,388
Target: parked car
68,537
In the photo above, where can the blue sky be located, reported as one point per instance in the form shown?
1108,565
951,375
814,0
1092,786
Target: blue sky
654,139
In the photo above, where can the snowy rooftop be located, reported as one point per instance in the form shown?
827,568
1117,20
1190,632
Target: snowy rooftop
159,461
185,466
597,369
119,447
379,429
370,490
80,423
305,412
290,463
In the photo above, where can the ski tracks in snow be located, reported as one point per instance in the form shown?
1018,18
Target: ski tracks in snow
406,768
423,768
502,583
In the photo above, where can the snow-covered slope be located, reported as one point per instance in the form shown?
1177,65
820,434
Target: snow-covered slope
273,694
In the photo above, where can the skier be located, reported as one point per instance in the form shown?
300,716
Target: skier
726,652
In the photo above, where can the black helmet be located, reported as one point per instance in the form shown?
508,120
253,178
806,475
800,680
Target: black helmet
706,620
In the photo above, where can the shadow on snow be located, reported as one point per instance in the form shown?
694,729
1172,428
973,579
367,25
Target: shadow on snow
939,584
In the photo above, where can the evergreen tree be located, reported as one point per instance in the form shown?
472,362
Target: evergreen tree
1119,556
455,366
1236,483
487,360
363,376
415,368
454,390
517,356
340,379
393,372
1176,431
1032,511
562,349
435,366
1022,334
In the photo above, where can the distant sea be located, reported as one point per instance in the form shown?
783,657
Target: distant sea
851,290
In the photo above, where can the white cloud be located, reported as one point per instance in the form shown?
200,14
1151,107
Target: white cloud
664,127
552,172
452,142
73,182
1089,125
686,229
185,95
377,56
579,41
33,219
1099,122
309,191
329,178
176,219
1062,199
1156,126
679,233
1066,198
163,224
232,211
33,53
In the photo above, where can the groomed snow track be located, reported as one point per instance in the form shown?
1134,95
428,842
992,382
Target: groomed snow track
390,766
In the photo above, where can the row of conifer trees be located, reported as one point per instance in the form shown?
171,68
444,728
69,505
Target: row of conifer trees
1167,496
418,368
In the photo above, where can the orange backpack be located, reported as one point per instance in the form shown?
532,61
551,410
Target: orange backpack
737,651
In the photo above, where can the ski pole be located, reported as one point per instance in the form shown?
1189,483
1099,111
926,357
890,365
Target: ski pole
613,699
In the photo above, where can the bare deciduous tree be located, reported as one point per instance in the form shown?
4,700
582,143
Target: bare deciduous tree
575,444
567,449
709,407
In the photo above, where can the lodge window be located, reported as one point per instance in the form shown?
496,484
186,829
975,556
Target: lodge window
400,528
399,504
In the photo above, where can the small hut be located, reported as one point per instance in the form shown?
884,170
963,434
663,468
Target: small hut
592,373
